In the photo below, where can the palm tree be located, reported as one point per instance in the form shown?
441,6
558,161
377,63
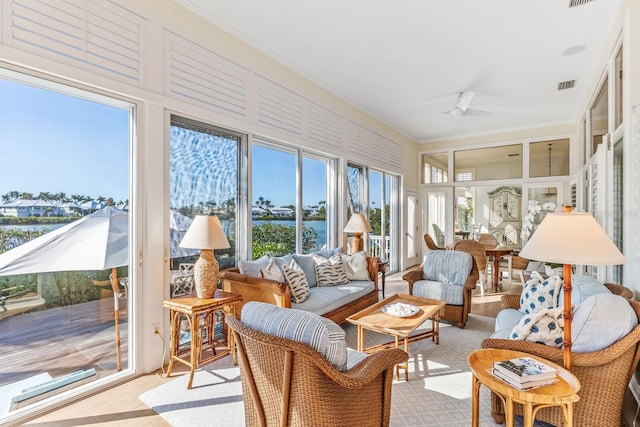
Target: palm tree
260,201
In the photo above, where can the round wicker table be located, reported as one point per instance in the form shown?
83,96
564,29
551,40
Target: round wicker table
562,393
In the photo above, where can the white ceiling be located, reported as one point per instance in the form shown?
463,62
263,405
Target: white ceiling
404,61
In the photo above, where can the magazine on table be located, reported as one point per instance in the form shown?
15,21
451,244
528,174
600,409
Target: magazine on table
524,369
527,385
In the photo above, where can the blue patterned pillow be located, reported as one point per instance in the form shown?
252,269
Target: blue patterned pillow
542,327
540,294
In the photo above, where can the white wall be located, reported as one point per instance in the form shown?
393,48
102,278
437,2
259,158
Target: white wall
140,55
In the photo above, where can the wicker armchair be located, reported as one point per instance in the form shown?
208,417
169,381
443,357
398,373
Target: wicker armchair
458,314
431,245
604,374
288,383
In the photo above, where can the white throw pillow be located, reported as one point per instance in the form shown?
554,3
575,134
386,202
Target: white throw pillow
356,266
330,272
272,272
297,281
539,294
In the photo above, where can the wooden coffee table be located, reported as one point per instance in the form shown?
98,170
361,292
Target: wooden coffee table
373,319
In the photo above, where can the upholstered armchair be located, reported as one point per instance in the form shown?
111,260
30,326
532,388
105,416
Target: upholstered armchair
313,380
449,276
604,374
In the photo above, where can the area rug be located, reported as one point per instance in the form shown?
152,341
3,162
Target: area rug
438,392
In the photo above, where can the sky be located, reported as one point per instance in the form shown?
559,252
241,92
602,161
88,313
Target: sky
58,143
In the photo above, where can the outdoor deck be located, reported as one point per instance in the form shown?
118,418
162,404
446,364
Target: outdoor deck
60,341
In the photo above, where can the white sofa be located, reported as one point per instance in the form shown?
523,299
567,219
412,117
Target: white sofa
335,302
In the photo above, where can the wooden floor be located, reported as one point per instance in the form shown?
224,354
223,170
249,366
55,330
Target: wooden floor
119,406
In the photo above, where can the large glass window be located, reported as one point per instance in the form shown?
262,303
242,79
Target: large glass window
286,220
434,168
203,180
549,158
599,117
65,190
488,163
381,206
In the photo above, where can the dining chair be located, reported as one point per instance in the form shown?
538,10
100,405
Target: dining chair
439,235
478,253
431,245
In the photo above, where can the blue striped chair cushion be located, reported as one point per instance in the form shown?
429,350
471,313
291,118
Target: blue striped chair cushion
323,335
448,292
447,266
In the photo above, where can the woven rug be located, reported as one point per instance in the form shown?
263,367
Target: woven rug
438,392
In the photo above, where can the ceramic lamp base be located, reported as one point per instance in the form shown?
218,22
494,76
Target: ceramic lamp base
205,274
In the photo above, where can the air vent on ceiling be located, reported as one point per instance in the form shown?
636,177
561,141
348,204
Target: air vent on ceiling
574,3
566,85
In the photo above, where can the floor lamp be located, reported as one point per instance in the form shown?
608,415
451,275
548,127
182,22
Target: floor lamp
357,225
205,233
571,238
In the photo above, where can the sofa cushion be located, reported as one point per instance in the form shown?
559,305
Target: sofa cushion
325,299
328,253
330,272
450,293
283,260
321,334
252,268
447,266
539,294
601,320
272,271
297,282
506,320
582,287
308,266
356,266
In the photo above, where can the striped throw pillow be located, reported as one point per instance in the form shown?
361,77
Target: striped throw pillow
330,272
297,281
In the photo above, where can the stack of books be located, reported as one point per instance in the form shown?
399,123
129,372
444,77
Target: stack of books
524,373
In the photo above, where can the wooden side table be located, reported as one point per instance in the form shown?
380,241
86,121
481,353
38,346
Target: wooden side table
562,393
382,269
192,309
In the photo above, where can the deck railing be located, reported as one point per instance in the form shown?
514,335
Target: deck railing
379,248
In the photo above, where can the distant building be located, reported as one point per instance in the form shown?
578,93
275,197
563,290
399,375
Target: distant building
30,208
282,212
257,212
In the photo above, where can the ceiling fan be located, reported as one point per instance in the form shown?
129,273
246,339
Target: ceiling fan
462,106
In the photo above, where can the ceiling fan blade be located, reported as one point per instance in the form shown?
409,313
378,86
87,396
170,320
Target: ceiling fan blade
473,112
464,100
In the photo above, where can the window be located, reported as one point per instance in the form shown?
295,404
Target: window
66,168
599,117
434,168
203,180
382,209
501,162
619,89
289,217
549,158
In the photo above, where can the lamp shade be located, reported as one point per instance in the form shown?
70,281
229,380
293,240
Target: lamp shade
205,232
357,224
572,238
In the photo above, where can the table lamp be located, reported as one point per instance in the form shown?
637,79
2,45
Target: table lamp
571,238
357,225
205,233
